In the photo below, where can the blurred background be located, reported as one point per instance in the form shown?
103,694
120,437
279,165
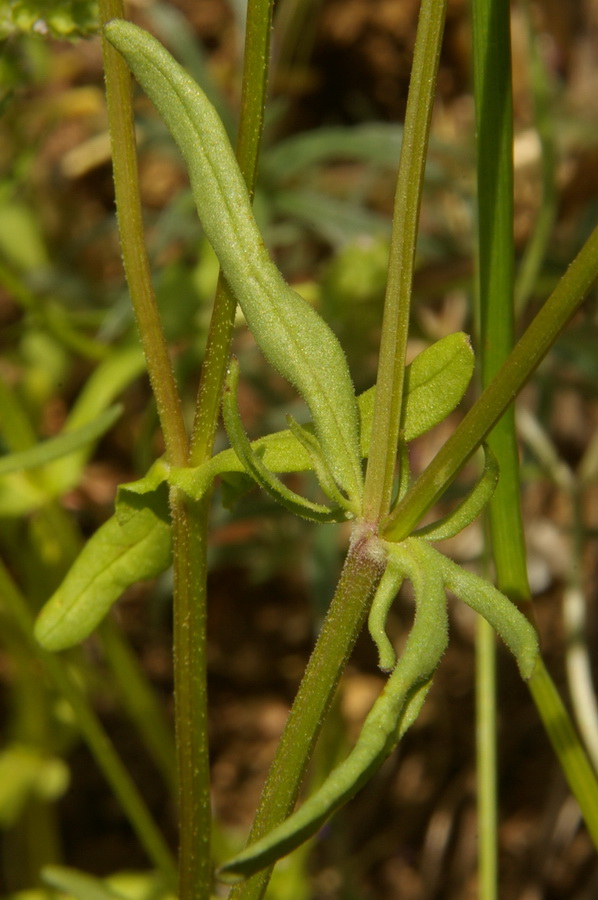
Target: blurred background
339,81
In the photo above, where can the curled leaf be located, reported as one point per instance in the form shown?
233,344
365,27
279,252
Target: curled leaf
256,468
385,596
391,715
516,631
469,508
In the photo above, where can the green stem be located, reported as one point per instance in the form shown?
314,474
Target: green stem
395,327
574,762
190,525
486,758
194,860
500,393
494,126
359,579
253,100
130,223
94,735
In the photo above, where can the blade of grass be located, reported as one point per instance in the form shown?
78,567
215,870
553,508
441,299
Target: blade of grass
495,192
494,129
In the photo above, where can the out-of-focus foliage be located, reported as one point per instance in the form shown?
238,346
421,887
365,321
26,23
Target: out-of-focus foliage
54,18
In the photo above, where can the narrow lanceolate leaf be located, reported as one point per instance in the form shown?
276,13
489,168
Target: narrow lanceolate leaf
77,884
290,333
61,445
119,554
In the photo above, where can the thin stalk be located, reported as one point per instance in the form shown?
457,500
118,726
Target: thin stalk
189,592
395,327
486,758
496,398
566,744
500,393
190,526
130,224
251,123
358,581
190,523
494,125
361,572
95,737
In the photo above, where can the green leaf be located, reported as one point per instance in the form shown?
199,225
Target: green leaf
233,486
392,713
119,554
515,630
376,143
64,443
435,383
109,379
78,884
290,333
128,493
307,439
26,772
337,221
469,508
254,465
280,452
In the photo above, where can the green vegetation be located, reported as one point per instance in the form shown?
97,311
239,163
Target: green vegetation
343,462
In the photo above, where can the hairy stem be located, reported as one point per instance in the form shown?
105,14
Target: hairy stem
359,580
